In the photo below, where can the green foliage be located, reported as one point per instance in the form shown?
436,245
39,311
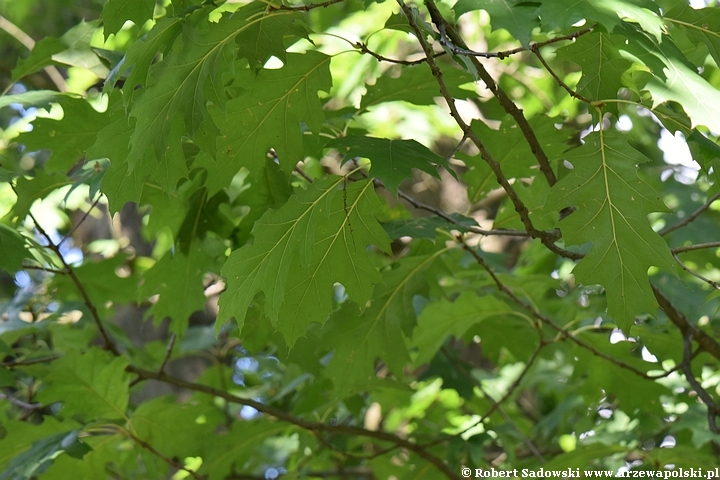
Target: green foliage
243,240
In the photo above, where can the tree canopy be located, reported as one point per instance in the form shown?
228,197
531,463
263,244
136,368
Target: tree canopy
358,239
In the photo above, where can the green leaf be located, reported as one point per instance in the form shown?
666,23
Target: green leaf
178,279
700,25
33,98
360,338
508,146
440,320
426,227
116,12
674,79
392,160
140,56
517,17
67,138
612,208
20,436
14,248
192,74
90,386
602,65
41,455
416,85
318,238
30,190
269,116
100,281
51,51
174,429
231,451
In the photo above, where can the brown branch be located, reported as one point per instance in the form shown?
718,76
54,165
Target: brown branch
690,217
536,314
75,227
109,343
697,246
31,361
695,274
712,408
30,407
507,53
168,352
169,461
705,341
304,424
364,49
450,219
303,8
505,101
573,93
547,239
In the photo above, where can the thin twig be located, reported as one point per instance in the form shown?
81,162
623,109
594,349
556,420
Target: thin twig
364,49
496,406
705,341
697,246
75,227
712,408
695,274
308,425
168,352
169,461
44,269
303,8
19,403
690,217
109,343
573,93
507,104
545,238
30,361
428,208
535,313
507,53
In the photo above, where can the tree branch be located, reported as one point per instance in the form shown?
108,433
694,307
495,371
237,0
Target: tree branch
109,343
712,408
303,8
468,132
705,341
536,50
304,424
536,314
690,217
169,461
505,101
496,406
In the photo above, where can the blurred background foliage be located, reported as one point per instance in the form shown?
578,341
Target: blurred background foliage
480,389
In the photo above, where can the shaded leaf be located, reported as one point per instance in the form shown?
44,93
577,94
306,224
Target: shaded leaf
294,248
392,160
91,385
14,248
